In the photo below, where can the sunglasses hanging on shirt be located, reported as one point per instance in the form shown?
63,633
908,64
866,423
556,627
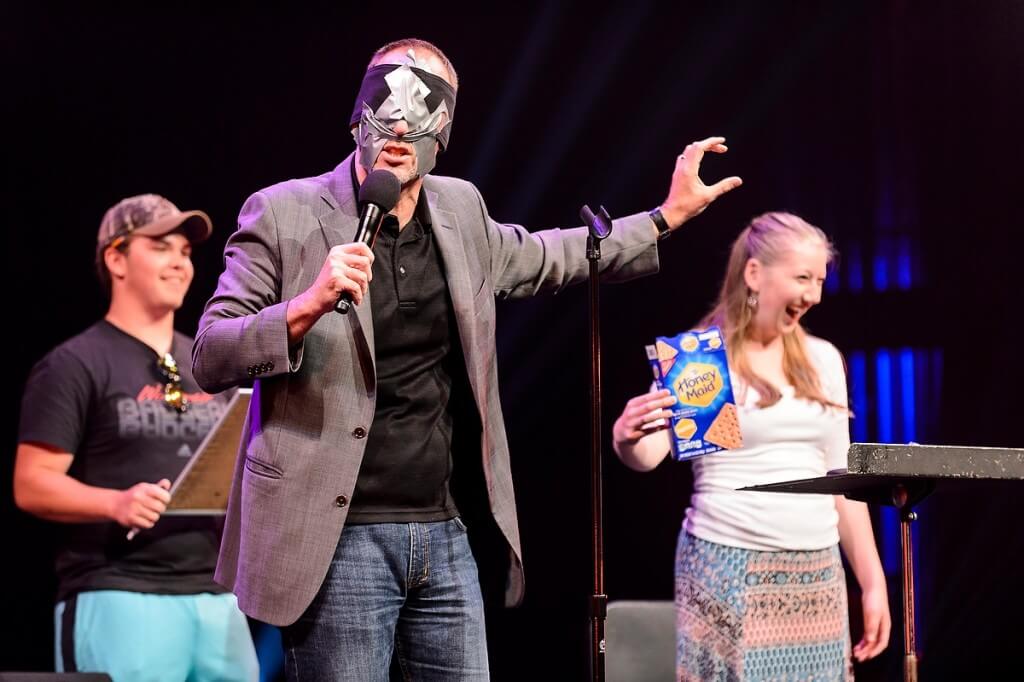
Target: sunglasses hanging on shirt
174,396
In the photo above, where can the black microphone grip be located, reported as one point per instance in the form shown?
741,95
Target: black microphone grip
378,194
370,218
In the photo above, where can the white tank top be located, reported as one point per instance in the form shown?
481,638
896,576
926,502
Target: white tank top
792,439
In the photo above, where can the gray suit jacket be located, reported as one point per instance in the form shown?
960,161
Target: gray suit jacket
312,406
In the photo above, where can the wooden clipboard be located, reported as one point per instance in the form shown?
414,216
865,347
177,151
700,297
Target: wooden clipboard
202,486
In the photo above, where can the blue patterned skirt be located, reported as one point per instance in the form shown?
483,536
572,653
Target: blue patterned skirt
745,616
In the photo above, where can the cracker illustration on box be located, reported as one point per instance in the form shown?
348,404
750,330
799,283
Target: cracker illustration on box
694,366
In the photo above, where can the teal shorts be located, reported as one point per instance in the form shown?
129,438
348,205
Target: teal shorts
137,637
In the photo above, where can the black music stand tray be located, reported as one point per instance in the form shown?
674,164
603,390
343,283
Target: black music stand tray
902,476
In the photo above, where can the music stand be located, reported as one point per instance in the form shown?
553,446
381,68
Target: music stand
902,476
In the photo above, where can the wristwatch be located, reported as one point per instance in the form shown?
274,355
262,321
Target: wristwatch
660,223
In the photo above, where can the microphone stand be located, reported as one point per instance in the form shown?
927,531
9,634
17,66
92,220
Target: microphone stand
600,227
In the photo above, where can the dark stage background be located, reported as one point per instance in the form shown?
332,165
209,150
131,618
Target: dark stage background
893,125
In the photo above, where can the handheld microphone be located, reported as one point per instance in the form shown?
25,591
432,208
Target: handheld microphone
377,195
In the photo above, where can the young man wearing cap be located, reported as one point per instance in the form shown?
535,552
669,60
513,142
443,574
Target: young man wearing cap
108,419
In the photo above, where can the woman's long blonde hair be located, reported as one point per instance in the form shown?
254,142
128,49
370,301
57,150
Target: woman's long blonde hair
766,238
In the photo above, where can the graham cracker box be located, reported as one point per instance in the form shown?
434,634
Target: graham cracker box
695,368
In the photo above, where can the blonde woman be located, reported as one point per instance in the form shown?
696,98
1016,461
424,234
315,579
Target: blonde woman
760,588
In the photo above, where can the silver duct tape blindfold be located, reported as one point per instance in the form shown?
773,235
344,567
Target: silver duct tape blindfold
393,92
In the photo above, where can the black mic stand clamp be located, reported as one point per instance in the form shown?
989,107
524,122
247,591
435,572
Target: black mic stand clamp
600,226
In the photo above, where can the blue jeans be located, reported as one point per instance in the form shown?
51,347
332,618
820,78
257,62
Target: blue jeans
405,589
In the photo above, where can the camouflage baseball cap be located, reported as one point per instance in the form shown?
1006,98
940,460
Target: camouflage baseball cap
150,215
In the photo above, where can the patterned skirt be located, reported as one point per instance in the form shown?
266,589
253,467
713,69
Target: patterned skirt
745,616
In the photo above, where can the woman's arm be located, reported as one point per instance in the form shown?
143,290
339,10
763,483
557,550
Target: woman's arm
640,434
858,544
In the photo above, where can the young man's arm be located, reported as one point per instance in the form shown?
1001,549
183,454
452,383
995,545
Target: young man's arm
43,487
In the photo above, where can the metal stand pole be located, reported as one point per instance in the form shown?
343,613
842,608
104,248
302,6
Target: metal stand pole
901,499
600,227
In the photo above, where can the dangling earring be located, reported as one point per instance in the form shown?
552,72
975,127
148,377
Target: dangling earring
752,300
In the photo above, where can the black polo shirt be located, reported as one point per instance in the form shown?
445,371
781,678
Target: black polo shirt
407,465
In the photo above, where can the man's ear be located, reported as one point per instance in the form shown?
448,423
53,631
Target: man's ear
116,261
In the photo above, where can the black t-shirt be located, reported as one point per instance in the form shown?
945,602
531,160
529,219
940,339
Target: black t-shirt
99,396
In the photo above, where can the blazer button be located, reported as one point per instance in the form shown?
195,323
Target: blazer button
341,501
270,366
359,432
251,370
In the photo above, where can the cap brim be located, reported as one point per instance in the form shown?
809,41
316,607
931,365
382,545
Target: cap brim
195,225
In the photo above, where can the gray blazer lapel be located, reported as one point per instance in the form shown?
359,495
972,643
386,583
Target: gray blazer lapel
338,222
453,254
